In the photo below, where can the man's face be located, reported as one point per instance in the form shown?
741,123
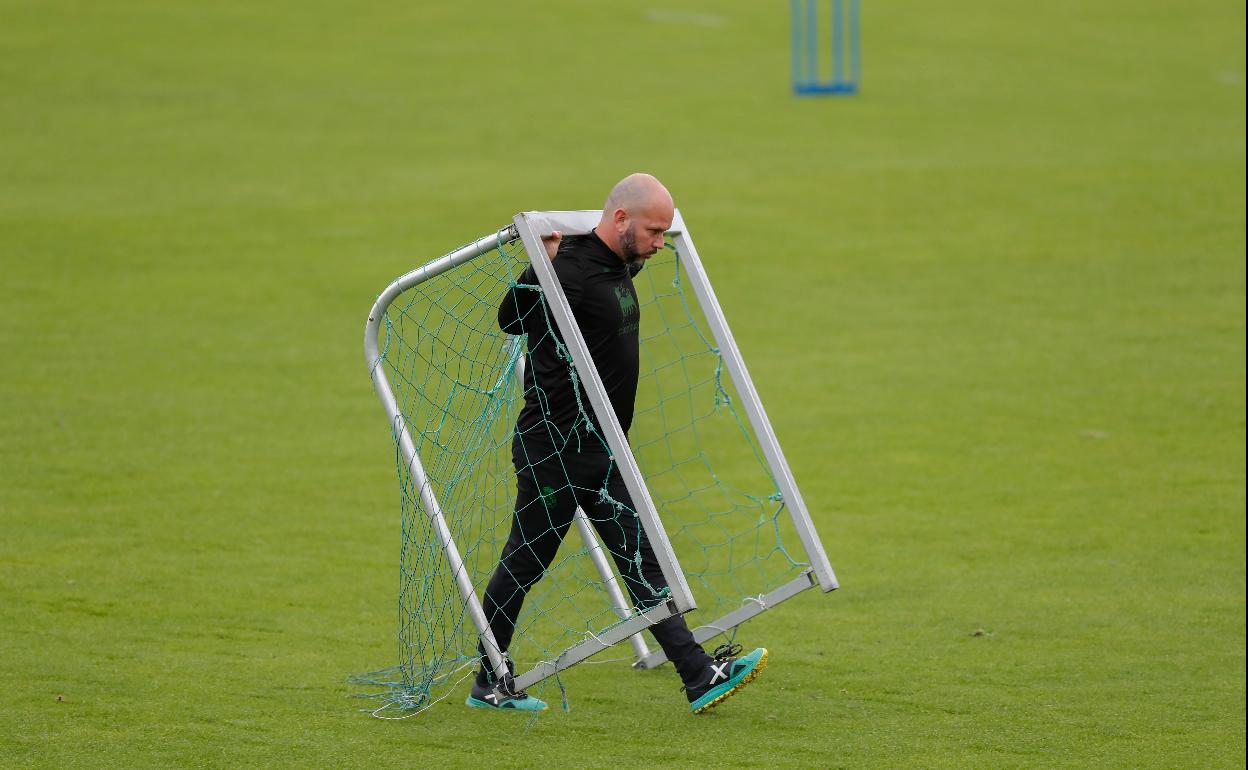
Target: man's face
641,235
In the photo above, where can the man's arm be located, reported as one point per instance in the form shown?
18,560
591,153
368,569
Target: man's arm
518,302
521,298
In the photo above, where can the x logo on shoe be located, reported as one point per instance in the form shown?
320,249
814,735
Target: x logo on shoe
492,698
717,672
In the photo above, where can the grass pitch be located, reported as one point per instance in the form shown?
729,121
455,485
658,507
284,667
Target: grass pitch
994,304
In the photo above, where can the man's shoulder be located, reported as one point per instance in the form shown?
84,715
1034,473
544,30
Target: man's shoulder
576,245
575,256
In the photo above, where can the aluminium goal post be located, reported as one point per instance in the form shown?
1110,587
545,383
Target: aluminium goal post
599,556
430,420
692,481
705,473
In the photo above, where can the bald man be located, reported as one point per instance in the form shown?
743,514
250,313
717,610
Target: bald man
561,461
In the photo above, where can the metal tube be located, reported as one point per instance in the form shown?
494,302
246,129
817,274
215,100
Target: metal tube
607,420
855,66
596,644
423,273
407,447
754,410
622,606
750,608
812,48
838,42
597,555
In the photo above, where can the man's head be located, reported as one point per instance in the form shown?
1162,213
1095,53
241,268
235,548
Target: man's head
637,213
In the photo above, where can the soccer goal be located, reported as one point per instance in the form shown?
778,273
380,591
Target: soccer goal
704,471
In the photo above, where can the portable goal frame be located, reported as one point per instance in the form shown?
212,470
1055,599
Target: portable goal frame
529,227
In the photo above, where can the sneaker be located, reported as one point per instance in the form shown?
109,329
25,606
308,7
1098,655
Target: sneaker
503,695
724,676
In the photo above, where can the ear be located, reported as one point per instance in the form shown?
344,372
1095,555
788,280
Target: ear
620,218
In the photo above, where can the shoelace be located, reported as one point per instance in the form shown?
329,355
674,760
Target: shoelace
722,652
725,651
508,688
507,685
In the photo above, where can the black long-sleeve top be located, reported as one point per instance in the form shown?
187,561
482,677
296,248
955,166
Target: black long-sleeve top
599,288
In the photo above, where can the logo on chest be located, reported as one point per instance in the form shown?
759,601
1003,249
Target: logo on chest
628,303
629,312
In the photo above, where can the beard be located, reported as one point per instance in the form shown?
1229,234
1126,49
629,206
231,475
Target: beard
628,245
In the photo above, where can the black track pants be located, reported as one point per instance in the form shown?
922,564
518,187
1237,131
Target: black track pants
550,485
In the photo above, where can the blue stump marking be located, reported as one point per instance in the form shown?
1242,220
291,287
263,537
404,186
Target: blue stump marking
845,60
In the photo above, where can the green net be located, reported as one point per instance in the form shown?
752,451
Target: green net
453,373
702,463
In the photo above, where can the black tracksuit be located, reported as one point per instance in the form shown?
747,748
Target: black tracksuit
560,461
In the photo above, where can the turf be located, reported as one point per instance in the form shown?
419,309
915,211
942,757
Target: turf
994,303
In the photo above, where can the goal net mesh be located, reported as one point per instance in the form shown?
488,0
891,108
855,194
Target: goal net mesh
453,373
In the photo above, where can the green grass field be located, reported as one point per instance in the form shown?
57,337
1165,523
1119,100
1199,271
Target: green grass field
994,304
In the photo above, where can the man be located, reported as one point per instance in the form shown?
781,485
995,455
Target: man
561,461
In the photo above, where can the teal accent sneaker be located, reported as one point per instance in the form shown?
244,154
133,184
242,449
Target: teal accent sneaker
503,696
725,675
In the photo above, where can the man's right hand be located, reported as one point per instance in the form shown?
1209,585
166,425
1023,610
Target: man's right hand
551,242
